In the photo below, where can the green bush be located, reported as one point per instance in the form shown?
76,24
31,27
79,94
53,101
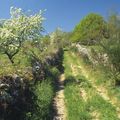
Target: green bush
111,46
43,96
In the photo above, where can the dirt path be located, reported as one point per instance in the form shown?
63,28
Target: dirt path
74,71
101,90
59,103
95,114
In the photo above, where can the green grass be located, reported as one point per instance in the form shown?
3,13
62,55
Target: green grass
106,110
101,76
77,107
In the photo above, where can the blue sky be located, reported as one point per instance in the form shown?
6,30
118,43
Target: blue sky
61,13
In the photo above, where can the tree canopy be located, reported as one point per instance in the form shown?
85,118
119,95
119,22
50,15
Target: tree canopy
19,28
91,28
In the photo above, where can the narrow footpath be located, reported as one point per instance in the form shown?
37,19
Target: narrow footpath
59,103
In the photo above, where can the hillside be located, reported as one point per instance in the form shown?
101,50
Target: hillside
59,75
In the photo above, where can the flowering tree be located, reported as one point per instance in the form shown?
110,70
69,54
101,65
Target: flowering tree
19,28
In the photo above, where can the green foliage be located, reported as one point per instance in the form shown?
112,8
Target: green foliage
90,29
66,39
56,36
55,72
46,40
19,28
111,45
44,93
59,38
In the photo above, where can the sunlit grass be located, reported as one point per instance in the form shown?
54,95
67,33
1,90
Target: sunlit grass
78,108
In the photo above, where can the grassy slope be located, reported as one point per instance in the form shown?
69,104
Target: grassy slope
82,100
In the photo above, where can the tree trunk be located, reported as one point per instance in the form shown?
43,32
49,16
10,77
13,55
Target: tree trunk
10,57
11,60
